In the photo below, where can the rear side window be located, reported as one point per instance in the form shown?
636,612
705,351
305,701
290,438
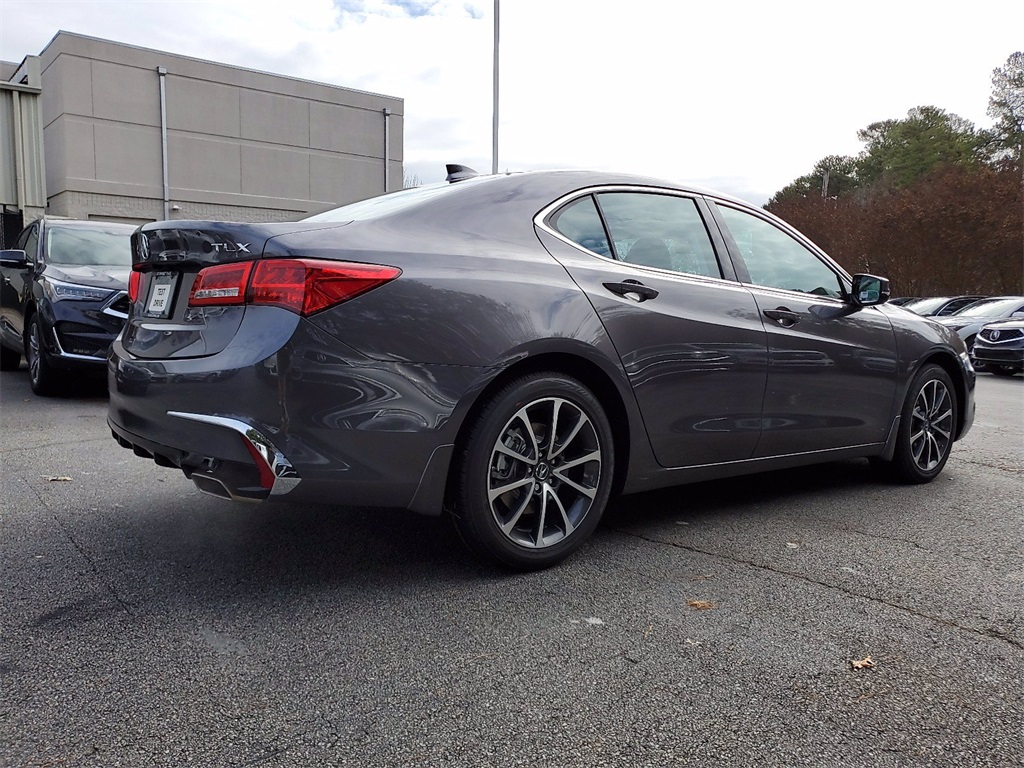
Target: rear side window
580,222
662,231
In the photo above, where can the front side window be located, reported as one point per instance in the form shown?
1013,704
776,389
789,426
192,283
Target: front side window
776,260
29,243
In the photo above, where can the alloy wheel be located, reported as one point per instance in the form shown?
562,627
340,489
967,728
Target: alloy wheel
34,350
931,429
545,470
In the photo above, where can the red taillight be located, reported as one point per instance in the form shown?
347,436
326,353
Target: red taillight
307,286
304,286
221,285
134,284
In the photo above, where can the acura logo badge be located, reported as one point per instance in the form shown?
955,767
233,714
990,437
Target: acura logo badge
994,335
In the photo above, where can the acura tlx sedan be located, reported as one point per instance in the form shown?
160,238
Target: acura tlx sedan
513,350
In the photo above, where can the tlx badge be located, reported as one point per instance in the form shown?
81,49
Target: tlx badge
230,247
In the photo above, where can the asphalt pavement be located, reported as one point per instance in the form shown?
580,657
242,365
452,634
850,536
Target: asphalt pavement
145,624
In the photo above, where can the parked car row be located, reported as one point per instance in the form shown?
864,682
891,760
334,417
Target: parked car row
969,315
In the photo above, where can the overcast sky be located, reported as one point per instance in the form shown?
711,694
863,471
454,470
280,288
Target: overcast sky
740,96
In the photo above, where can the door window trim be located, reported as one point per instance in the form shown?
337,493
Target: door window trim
718,244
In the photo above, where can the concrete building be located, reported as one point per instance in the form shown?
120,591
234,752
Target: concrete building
132,134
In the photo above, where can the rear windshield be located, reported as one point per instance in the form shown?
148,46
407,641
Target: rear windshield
93,246
384,205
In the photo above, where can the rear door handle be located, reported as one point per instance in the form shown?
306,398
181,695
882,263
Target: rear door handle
784,317
631,289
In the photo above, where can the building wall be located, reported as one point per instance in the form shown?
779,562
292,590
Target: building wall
241,145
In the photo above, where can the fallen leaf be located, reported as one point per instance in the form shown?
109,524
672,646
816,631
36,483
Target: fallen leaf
57,478
700,605
866,663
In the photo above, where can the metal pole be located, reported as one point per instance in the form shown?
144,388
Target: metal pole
162,72
387,146
494,124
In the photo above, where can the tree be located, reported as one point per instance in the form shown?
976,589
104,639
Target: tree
898,152
1006,107
842,178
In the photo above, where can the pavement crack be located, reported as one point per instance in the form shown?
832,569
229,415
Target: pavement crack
125,606
988,633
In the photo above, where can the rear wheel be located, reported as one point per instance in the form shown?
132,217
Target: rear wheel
41,375
535,474
927,427
9,359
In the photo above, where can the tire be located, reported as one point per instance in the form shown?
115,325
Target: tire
545,439
41,376
1002,370
927,427
9,359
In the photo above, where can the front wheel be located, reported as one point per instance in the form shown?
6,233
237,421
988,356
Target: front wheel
927,427
535,473
41,375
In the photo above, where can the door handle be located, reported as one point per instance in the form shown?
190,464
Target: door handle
783,316
632,289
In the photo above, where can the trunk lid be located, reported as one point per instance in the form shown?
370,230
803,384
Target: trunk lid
167,256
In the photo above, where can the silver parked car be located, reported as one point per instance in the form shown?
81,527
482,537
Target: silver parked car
999,347
967,322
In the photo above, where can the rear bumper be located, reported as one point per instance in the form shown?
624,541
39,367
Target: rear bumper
286,412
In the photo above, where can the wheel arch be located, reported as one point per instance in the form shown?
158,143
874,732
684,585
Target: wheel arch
588,373
954,370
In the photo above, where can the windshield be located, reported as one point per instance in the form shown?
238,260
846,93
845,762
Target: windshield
998,308
383,205
92,246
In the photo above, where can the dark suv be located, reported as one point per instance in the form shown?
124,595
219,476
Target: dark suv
63,298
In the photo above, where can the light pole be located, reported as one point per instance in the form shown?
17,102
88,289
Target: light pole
494,123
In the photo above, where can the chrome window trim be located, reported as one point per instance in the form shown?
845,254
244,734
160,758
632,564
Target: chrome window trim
540,221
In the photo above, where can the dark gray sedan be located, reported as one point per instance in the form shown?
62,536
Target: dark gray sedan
513,350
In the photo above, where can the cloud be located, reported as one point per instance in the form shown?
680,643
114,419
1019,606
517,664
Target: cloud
748,94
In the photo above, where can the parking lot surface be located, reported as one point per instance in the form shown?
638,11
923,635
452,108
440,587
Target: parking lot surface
145,624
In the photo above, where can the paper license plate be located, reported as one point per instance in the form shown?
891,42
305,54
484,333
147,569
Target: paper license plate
161,292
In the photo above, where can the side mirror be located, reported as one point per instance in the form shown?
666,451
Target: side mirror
14,259
869,290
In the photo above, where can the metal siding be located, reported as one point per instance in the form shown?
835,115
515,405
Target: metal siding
25,121
8,179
